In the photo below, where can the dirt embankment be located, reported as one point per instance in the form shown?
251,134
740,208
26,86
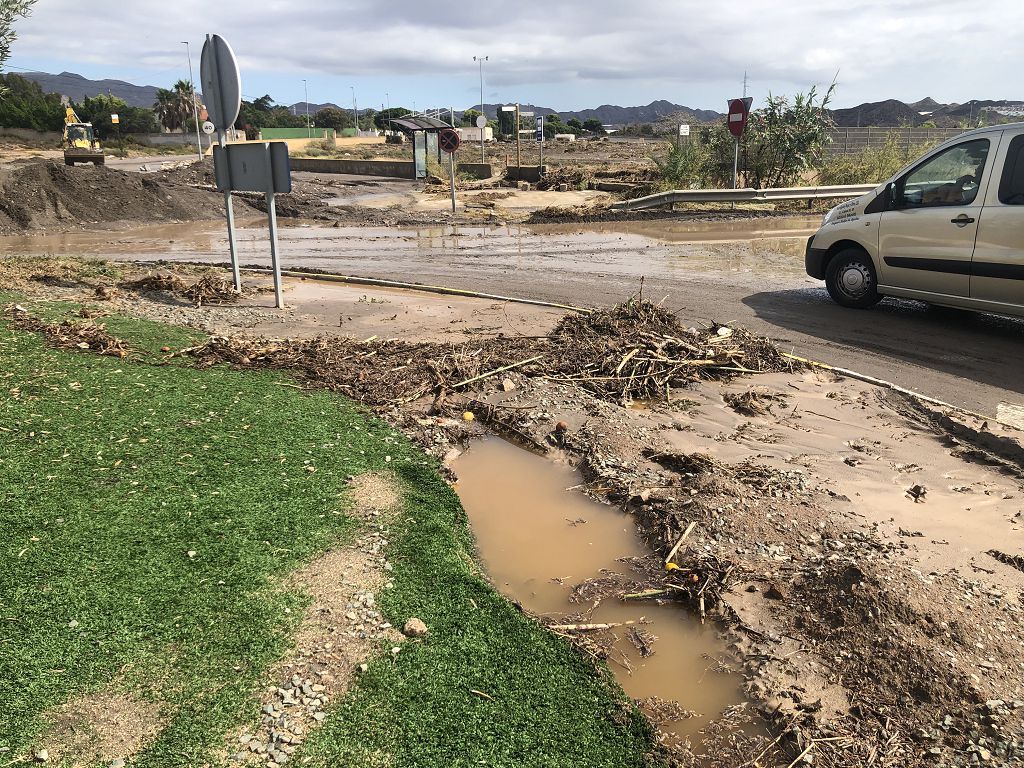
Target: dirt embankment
46,195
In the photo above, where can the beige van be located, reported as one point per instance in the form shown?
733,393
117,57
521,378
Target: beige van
948,229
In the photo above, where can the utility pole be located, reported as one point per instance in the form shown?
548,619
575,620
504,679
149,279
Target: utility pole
195,107
305,90
519,156
355,110
388,97
480,61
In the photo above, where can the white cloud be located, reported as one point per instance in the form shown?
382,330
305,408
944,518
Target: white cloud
881,48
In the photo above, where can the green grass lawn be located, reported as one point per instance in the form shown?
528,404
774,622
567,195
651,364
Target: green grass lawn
150,513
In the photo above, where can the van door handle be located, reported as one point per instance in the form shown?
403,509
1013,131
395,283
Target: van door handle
963,220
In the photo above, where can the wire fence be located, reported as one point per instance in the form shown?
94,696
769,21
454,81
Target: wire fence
853,141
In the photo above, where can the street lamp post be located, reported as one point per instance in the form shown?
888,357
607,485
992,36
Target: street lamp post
195,107
480,60
355,109
305,90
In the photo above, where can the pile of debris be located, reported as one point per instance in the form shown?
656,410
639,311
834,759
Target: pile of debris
639,351
86,336
633,351
209,290
574,177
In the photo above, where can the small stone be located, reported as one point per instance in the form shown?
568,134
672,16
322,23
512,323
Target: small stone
41,756
72,624
117,762
364,667
561,427
995,704
319,716
507,385
414,628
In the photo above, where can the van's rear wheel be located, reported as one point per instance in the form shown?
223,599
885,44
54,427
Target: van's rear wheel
851,279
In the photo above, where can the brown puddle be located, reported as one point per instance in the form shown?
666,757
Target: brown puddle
538,538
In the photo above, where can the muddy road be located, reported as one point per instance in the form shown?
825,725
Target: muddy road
747,272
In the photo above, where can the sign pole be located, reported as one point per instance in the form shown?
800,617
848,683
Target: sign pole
274,261
451,174
736,165
519,156
222,139
540,139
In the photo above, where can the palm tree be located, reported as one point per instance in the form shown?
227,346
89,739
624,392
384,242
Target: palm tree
185,100
166,108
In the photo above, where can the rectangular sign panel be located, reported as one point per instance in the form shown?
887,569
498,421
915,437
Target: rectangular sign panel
257,167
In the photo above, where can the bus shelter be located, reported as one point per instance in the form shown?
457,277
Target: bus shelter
424,132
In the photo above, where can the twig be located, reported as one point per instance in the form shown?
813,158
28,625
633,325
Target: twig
588,627
686,533
802,754
497,370
481,694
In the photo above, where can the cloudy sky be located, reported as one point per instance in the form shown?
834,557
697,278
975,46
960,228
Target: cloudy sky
566,54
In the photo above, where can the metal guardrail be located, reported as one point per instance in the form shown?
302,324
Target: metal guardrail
742,195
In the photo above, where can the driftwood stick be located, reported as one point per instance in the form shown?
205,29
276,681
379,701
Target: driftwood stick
686,533
497,370
588,627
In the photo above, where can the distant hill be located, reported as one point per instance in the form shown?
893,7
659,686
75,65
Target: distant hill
893,113
610,114
888,113
927,104
883,113
299,108
77,87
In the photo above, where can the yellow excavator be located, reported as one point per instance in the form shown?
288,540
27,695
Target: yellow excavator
80,144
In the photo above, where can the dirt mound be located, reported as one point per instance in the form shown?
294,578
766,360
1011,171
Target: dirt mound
44,195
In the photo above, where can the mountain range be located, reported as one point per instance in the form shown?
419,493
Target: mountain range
880,113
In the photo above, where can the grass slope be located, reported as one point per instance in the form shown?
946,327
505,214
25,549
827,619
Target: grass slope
150,512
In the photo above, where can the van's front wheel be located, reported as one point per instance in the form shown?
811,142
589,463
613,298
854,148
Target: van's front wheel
851,279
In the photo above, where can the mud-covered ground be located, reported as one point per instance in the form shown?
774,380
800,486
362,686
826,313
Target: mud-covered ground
861,548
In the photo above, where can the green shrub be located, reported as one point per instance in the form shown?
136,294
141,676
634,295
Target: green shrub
873,164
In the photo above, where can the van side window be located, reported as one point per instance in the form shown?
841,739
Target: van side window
952,177
1011,186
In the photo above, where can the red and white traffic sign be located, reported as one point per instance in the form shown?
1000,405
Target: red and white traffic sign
448,140
739,111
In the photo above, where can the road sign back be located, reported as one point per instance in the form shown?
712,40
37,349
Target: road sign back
222,85
739,111
448,140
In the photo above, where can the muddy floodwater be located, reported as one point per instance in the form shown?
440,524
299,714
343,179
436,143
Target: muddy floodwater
538,538
628,250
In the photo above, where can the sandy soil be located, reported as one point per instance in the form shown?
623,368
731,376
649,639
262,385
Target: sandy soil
873,579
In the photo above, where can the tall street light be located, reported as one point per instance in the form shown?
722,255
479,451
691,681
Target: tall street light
305,90
195,107
480,60
355,109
